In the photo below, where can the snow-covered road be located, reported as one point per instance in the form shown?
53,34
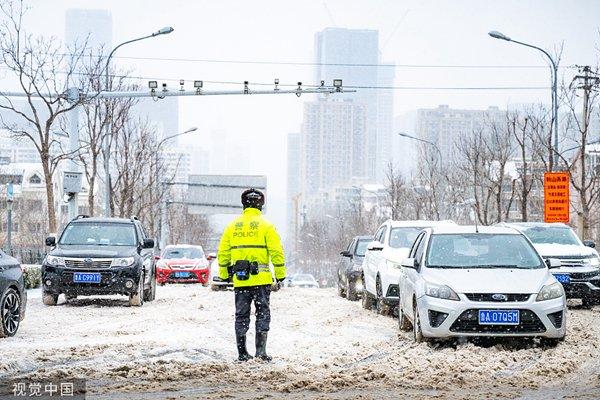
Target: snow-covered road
182,346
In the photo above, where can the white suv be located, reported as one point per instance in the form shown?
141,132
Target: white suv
580,270
381,266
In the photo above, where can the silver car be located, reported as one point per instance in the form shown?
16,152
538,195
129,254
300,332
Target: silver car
479,281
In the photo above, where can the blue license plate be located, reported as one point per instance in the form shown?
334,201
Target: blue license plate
498,317
180,274
563,278
87,277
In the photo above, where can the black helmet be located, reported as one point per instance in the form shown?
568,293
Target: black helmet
253,198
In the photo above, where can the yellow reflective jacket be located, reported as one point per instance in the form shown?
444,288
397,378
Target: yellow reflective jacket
251,237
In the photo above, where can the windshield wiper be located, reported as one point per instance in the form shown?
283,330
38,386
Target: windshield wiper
446,266
495,266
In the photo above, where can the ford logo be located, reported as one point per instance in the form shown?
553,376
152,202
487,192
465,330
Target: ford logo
499,297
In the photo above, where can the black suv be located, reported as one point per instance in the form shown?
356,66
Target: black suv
100,256
13,296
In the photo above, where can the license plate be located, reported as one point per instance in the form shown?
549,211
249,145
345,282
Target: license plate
87,277
563,278
182,274
498,317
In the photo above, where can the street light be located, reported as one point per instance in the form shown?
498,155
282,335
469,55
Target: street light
164,224
443,189
105,142
554,69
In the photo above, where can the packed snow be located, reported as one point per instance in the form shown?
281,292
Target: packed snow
324,347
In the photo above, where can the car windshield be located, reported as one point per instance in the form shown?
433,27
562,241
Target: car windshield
404,237
361,248
304,277
480,250
184,252
551,234
103,234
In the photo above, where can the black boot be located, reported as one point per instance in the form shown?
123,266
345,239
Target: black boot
261,346
243,354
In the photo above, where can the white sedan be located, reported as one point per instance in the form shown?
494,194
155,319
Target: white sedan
486,281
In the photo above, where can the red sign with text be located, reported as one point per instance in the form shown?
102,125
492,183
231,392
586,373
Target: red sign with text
556,197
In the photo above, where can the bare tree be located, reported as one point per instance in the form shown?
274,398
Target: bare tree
43,72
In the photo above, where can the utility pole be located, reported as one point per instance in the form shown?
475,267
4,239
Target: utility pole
587,80
9,205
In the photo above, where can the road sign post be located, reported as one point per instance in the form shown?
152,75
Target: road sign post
556,197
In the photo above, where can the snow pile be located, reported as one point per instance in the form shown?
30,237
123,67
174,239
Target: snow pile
322,344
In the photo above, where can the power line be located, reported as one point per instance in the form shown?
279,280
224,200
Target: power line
319,64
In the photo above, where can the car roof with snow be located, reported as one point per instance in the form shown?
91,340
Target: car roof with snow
419,223
111,220
459,229
525,225
183,246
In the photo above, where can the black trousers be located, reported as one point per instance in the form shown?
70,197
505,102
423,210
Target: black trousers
243,298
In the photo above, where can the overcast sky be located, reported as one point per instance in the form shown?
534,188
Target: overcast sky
411,32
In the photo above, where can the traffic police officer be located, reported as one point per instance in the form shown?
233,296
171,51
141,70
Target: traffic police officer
247,245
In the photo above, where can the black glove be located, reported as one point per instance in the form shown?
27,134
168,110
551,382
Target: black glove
279,280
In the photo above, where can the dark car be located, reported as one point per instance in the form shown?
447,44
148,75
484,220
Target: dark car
350,268
100,256
13,296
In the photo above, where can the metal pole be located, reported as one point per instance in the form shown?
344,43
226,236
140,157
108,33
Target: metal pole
73,149
164,227
106,139
9,230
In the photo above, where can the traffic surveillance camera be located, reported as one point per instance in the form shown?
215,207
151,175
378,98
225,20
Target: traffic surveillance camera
299,90
276,83
337,83
152,84
322,83
246,90
181,83
198,84
164,85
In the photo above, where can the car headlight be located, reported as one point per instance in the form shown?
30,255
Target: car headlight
122,262
549,292
392,264
55,261
592,261
440,292
200,265
162,265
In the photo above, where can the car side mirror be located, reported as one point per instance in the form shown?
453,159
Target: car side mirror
156,258
590,243
410,263
375,246
209,257
148,244
50,241
553,263
345,253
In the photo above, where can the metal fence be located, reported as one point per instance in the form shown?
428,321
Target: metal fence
27,255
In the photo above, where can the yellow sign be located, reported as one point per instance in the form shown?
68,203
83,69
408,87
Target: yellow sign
556,197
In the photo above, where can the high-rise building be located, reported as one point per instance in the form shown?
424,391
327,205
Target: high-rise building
444,126
91,26
294,171
334,144
353,55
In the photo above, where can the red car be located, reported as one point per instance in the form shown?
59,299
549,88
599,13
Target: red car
182,263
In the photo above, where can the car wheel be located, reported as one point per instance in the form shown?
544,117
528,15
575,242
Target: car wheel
340,290
367,300
550,342
150,294
417,332
137,299
587,303
351,292
49,299
10,313
403,321
382,308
